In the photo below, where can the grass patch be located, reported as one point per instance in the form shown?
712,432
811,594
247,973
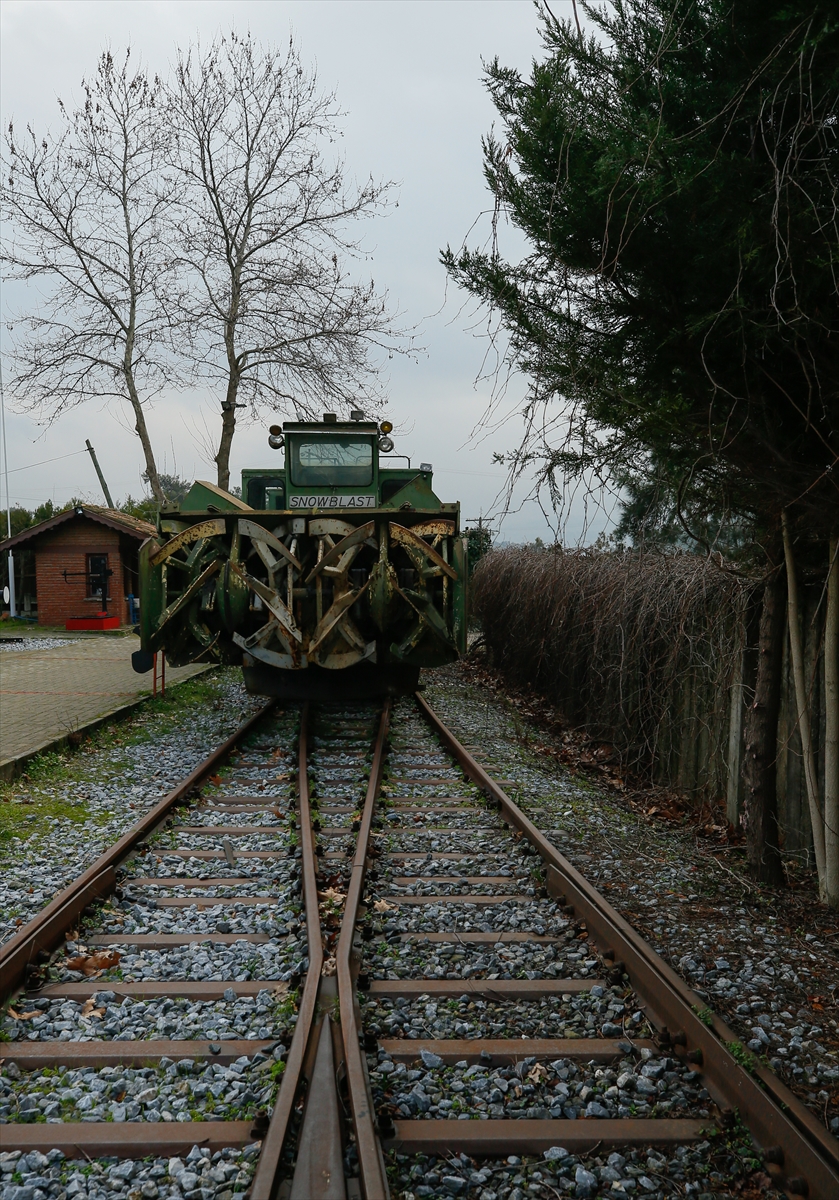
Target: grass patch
36,816
743,1056
41,799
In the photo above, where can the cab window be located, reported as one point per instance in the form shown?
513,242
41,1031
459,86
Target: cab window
332,461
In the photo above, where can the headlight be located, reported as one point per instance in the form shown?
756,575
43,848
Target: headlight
276,441
385,445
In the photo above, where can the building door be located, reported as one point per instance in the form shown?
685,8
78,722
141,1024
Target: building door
97,571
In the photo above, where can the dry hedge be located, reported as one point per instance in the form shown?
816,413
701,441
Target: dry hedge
639,650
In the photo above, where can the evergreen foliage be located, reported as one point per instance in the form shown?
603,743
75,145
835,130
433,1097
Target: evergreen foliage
676,180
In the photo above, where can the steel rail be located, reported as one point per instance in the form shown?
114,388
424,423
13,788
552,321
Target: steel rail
46,930
371,1164
266,1177
782,1126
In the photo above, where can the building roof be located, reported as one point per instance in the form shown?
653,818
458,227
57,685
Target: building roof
109,517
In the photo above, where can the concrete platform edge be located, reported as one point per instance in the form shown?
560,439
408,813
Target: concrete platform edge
10,768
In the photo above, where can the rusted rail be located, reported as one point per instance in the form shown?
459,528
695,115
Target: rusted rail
45,931
370,1160
808,1157
802,1157
267,1171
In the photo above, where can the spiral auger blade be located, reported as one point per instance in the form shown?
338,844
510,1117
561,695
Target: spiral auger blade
324,592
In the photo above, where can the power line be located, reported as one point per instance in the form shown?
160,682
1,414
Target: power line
44,461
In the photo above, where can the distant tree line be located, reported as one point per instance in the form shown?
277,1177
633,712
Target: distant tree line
145,507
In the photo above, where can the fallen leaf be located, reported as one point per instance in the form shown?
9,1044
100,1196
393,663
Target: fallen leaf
332,894
88,963
383,906
27,1016
89,1009
329,966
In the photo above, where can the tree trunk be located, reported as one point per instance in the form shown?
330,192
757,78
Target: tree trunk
803,708
831,731
761,737
228,428
145,441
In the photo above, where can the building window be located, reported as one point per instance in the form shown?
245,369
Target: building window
96,564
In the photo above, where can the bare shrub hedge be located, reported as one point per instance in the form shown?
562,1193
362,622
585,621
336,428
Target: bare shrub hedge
640,650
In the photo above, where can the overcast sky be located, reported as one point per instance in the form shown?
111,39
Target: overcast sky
408,76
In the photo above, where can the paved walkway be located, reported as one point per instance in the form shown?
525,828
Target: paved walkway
50,693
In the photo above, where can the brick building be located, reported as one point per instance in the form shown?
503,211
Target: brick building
82,541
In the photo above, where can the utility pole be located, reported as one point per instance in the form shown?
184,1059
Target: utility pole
92,454
12,604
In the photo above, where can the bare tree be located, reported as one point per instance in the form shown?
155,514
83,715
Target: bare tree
86,210
275,316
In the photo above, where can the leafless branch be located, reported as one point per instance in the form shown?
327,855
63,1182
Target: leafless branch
269,309
87,214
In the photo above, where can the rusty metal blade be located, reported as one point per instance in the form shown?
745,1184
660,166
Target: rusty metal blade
204,529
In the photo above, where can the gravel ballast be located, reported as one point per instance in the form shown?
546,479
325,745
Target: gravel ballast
754,961
668,885
163,1090
199,1175
104,789
465,855
34,643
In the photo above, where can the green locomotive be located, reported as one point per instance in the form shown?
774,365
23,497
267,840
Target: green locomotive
332,576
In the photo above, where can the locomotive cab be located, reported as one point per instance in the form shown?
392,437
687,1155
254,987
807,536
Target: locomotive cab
332,576
334,465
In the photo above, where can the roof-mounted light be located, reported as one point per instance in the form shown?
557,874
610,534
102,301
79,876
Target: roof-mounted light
386,426
426,467
330,418
356,414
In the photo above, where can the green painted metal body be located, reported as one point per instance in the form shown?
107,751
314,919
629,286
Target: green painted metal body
331,561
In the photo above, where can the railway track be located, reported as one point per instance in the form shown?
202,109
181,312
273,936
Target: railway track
354,959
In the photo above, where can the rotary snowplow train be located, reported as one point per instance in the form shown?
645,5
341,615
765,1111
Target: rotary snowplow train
332,577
